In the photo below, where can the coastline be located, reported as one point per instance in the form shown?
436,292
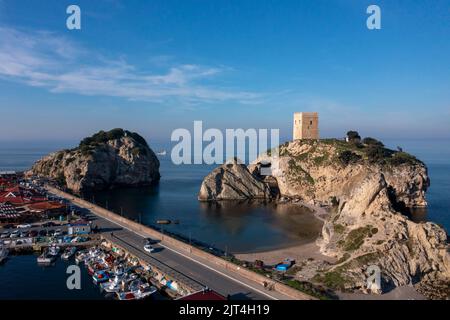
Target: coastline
298,252
310,251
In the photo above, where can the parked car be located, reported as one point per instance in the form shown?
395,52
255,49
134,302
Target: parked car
14,234
4,235
23,226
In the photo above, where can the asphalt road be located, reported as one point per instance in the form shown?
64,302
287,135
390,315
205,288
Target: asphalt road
191,269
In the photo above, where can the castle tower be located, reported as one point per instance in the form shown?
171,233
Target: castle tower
306,125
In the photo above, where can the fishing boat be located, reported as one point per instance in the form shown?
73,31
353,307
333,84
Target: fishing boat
145,291
53,250
45,258
3,254
161,153
101,276
163,221
96,267
68,253
81,256
115,284
137,291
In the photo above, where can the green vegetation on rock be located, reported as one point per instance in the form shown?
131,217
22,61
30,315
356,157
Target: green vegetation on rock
102,137
356,237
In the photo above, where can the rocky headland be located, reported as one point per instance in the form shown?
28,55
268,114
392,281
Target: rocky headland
368,191
104,160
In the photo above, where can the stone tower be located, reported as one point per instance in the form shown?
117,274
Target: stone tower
306,125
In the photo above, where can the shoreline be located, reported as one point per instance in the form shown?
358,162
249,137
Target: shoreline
298,252
310,251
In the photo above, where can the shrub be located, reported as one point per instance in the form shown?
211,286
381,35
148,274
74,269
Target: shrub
356,237
372,142
332,279
348,157
399,158
339,228
377,154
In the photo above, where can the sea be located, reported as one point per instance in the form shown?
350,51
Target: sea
231,226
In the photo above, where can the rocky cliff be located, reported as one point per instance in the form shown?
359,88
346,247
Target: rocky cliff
368,189
232,181
107,159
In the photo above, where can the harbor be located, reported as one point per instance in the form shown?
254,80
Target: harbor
74,234
165,265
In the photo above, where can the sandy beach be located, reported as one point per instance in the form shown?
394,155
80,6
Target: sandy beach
298,253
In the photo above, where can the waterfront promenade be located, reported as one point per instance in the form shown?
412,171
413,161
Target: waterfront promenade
200,267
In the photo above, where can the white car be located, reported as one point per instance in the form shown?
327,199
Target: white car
148,248
15,234
23,226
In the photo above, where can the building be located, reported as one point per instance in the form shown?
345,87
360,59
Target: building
306,125
79,228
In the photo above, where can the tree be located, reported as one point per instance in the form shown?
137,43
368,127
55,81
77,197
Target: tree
353,136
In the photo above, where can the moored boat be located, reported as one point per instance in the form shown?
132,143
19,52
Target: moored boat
3,254
138,290
114,284
53,250
101,276
45,258
68,253
81,256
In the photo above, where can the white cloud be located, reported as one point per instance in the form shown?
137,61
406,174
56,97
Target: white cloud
42,59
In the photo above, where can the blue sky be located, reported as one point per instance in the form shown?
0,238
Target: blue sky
153,66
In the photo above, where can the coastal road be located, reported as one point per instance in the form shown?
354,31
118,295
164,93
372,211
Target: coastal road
196,268
221,281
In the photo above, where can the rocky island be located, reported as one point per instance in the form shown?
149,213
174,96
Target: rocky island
104,160
368,191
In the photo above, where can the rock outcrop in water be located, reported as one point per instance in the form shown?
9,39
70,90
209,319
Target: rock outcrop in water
368,189
107,159
232,181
